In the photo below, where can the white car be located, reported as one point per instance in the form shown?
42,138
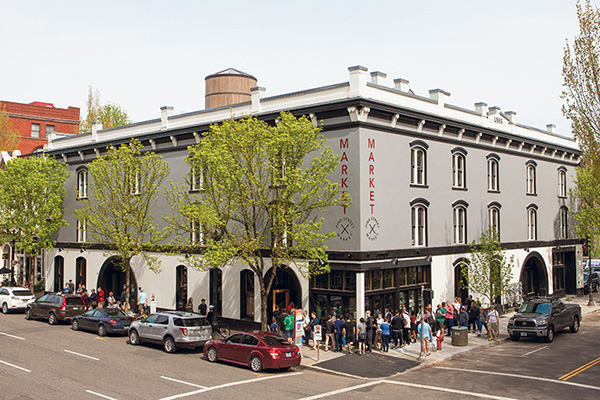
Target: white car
14,298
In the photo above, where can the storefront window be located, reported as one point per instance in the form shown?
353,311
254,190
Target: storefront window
388,300
402,277
336,305
388,278
377,305
321,281
350,280
368,280
336,280
412,279
321,306
377,277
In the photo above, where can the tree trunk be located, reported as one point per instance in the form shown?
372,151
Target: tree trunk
264,298
29,270
127,265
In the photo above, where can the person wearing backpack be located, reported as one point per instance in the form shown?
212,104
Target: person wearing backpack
397,326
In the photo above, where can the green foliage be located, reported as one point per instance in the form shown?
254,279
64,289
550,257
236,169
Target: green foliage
31,196
40,286
263,188
581,73
109,114
9,137
123,186
488,272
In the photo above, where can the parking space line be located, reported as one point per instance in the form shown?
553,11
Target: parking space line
14,366
447,390
185,383
82,355
533,351
344,390
100,395
225,385
12,336
580,369
535,378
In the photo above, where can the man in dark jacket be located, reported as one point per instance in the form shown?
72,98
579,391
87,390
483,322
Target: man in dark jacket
397,326
370,324
473,317
339,333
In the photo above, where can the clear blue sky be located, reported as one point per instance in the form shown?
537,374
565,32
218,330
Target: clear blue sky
146,54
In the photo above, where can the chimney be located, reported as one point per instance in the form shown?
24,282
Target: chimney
378,78
481,108
96,126
358,79
493,110
165,113
550,128
440,96
402,85
256,93
511,115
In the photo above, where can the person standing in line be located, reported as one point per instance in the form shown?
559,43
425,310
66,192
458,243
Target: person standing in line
189,306
463,317
473,316
361,328
449,318
440,318
100,297
142,302
482,321
339,333
314,321
369,323
350,332
305,328
397,324
288,323
152,304
274,328
378,336
493,321
93,299
413,326
71,286
385,335
426,335
406,328
330,333
203,308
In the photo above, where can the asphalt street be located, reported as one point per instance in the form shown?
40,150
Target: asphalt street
39,361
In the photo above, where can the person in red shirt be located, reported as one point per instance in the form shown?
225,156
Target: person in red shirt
100,297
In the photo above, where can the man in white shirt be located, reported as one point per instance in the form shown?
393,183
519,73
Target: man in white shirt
492,320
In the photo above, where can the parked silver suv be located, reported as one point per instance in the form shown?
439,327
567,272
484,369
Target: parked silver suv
172,329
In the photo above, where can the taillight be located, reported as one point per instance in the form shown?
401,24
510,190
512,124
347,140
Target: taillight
184,331
63,304
274,353
113,322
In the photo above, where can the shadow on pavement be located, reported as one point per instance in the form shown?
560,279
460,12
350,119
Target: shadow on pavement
370,365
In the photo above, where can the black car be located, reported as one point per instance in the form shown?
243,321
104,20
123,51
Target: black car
103,321
56,307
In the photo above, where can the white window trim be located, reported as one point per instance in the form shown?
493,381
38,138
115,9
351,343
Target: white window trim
494,219
197,179
531,223
418,177
493,176
563,215
81,231
531,179
82,184
419,225
459,163
460,224
196,233
562,183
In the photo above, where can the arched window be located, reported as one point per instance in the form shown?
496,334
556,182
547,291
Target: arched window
460,224
532,222
181,287
59,273
80,271
82,184
562,182
563,214
459,162
418,163
493,164
247,294
196,233
531,185
419,222
81,231
196,176
494,217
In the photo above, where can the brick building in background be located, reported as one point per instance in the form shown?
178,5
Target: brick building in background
34,121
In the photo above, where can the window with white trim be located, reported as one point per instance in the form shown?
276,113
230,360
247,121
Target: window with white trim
35,130
135,182
81,231
196,177
531,185
458,170
494,219
196,233
418,165
493,177
532,223
460,224
563,214
419,225
82,184
562,183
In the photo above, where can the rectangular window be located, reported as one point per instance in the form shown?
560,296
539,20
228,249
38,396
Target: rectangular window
196,234
35,130
49,129
337,280
531,224
493,182
81,231
197,178
531,189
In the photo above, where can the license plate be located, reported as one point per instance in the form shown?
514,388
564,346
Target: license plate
523,333
288,354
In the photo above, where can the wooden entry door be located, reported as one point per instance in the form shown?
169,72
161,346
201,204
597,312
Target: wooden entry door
281,296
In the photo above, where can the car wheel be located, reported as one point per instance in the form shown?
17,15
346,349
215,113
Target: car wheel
52,319
101,330
28,314
575,327
5,308
74,325
134,338
212,354
256,364
515,338
550,336
169,345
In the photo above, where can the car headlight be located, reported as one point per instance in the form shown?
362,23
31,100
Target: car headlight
541,322
511,321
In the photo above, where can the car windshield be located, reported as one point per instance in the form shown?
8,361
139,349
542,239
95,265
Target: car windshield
114,312
190,322
22,293
538,308
274,340
74,301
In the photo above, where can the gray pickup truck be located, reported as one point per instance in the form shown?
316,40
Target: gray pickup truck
542,317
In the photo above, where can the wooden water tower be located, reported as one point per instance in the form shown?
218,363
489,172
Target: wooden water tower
228,87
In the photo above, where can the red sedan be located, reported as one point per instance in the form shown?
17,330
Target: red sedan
258,350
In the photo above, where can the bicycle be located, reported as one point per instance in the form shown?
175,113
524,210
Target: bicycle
222,329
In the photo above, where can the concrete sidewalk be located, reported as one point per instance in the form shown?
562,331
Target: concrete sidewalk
412,352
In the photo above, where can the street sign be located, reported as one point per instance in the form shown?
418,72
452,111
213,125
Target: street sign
318,333
298,318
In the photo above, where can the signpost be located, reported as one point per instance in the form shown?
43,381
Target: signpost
298,330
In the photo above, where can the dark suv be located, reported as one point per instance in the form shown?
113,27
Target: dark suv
56,307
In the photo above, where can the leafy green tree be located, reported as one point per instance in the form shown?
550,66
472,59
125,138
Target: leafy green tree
261,190
581,73
109,114
9,137
31,196
488,272
124,185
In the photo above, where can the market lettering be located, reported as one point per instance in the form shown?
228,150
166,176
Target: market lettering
371,183
344,157
371,145
344,182
344,144
371,157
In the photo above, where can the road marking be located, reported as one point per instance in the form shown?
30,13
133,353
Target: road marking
82,355
101,338
12,336
535,378
441,389
344,390
14,366
185,383
100,395
580,369
178,396
531,352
